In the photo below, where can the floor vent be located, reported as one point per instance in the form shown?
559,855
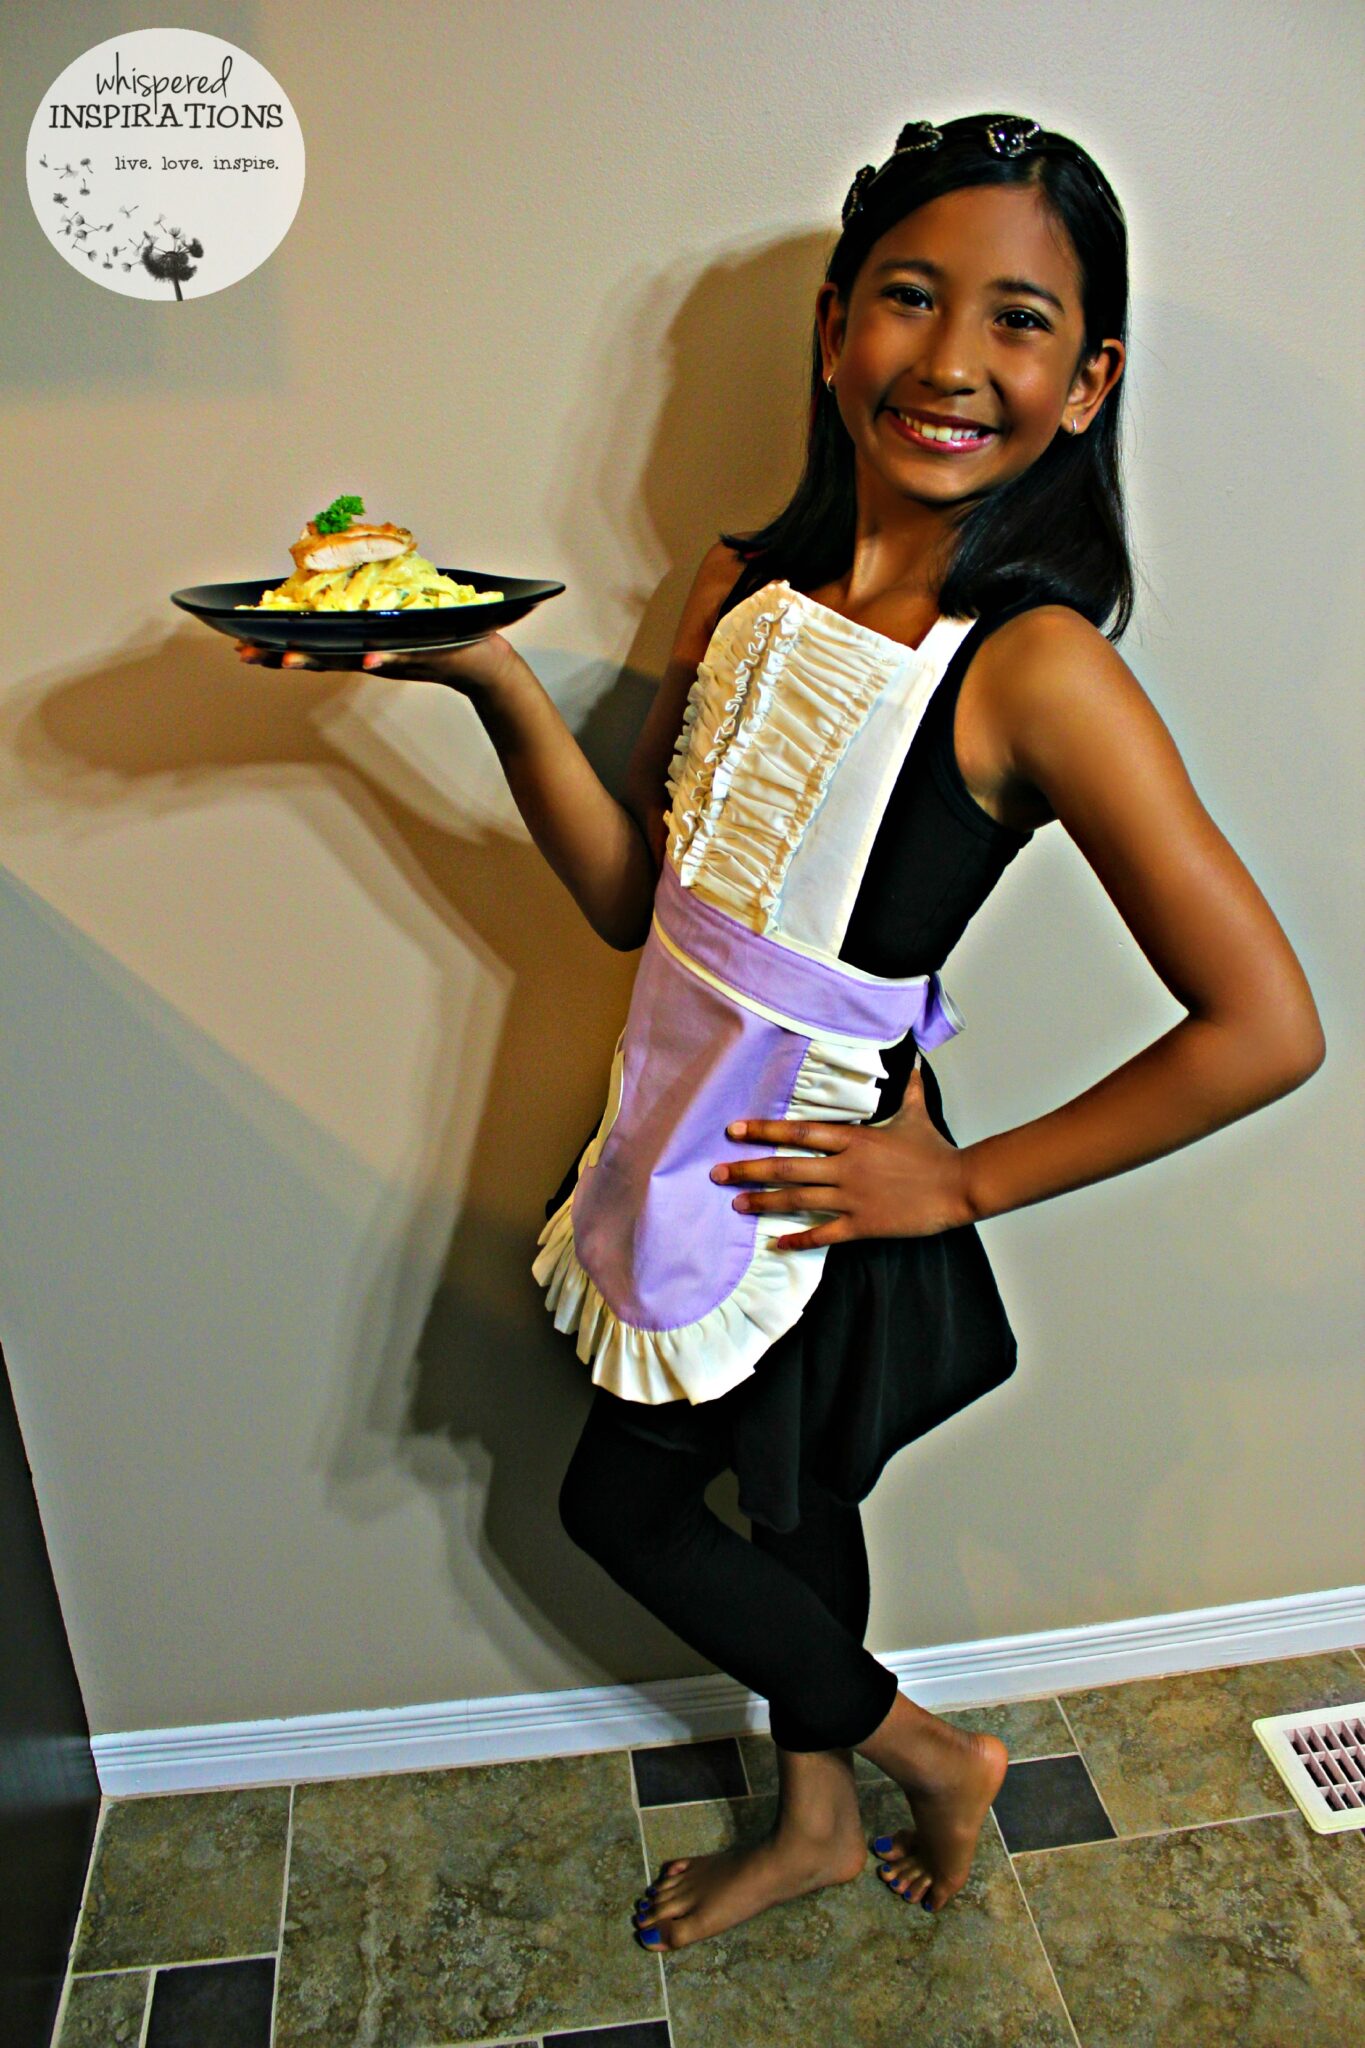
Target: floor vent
1321,1757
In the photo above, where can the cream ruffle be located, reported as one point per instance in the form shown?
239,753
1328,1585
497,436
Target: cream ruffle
783,689
699,1361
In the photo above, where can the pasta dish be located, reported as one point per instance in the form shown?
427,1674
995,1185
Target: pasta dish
342,564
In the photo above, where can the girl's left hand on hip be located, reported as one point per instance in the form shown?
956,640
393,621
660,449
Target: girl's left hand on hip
898,1178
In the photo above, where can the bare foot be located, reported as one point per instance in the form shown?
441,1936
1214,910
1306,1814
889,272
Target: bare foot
816,1841
949,1776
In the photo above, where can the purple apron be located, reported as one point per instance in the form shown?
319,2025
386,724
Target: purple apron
672,1291
658,1237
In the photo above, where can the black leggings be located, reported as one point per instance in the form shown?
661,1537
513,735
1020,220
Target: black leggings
783,1614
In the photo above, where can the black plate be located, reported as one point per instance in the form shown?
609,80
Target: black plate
455,625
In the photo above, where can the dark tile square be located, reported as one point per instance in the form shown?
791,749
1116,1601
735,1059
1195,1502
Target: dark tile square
213,2005
677,1772
639,2034
1050,1804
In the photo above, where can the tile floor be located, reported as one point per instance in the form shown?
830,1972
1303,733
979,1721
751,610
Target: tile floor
1144,1881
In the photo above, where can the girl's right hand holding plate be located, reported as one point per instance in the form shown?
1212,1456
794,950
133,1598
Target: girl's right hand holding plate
481,665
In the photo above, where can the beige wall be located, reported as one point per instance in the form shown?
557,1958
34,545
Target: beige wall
297,1030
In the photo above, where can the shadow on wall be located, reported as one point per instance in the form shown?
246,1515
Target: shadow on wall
727,442
214,1192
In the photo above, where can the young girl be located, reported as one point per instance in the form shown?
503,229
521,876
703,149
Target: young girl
767,1249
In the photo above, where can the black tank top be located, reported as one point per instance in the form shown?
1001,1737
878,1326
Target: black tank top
937,855
935,859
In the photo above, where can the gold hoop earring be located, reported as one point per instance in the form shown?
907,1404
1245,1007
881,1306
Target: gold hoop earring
1073,426
829,381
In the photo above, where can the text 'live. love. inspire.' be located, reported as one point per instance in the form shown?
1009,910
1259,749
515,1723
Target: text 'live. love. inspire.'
193,163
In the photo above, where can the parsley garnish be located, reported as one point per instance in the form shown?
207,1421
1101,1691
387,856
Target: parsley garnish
338,515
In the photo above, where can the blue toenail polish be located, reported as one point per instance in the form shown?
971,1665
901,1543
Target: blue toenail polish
884,1869
927,1907
651,1935
882,1844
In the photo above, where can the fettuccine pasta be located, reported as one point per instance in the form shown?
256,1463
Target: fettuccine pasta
406,583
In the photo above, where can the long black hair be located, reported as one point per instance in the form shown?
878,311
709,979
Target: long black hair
1058,532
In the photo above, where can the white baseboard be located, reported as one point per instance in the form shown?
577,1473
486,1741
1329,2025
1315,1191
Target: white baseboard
449,1733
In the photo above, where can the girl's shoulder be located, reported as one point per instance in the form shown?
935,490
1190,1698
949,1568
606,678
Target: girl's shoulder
1042,686
1058,629
716,576
1046,658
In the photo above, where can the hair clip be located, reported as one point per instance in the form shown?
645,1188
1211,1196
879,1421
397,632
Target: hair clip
917,135
854,197
914,136
1011,135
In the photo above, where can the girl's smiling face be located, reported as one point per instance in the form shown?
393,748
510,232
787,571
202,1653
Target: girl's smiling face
966,316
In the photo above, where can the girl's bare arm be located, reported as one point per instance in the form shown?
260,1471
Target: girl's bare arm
592,843
606,853
1076,726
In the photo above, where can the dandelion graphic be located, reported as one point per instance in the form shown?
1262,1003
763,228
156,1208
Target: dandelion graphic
168,254
171,266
